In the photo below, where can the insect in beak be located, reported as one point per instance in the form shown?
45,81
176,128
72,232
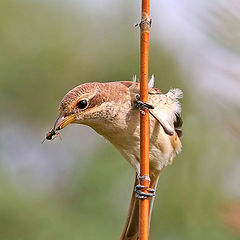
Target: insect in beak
51,135
60,123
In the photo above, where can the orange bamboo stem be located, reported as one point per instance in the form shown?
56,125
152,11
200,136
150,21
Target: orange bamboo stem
144,119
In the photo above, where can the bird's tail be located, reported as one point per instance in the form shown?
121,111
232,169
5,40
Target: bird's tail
131,228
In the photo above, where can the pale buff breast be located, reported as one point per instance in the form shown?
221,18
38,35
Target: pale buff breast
123,130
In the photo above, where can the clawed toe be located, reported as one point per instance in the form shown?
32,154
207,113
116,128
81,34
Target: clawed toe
142,105
144,195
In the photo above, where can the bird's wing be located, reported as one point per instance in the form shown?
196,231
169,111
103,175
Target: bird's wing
167,111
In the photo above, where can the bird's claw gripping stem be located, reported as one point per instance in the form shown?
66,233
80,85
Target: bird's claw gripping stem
138,188
143,195
142,105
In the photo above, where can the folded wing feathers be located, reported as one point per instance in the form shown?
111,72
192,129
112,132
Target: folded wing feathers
172,112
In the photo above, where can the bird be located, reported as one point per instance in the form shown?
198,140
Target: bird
112,110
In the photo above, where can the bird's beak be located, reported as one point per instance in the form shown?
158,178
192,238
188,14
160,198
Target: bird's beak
62,122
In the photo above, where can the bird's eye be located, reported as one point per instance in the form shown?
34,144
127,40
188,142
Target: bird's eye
82,104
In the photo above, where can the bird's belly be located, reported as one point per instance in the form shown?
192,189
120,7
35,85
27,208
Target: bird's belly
158,158
127,142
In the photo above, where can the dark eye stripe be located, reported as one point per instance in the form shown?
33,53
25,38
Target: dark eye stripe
97,100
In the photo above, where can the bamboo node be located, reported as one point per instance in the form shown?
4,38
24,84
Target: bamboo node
145,25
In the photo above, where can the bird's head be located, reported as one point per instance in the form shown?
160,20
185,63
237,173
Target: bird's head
98,105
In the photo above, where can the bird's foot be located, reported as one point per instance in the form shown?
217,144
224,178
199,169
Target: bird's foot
142,105
143,195
142,191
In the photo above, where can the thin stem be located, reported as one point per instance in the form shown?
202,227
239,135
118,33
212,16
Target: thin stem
144,118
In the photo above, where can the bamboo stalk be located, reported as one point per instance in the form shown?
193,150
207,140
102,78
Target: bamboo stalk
144,118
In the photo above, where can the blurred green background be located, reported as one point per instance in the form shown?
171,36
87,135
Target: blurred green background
79,188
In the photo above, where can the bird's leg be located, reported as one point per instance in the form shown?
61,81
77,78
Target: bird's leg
138,188
142,105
